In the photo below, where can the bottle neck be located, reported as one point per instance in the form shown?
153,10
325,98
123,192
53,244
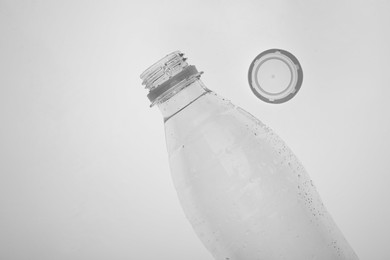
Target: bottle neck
173,84
181,98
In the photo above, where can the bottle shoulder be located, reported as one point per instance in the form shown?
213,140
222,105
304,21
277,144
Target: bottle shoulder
207,109
215,123
215,117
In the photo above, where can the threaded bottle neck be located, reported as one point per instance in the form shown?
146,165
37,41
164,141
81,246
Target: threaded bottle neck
163,69
168,76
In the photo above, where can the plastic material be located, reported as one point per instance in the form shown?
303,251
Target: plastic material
183,75
242,189
275,76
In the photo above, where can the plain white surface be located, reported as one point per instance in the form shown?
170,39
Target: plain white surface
84,172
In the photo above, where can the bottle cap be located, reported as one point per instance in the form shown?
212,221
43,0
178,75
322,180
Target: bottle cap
275,76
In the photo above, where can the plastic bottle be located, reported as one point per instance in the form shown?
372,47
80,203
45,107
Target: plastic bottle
244,192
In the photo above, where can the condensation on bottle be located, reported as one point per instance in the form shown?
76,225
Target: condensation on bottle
242,189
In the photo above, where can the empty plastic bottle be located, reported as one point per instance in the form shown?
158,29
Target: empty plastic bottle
243,190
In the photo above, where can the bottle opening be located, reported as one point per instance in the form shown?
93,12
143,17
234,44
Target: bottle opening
167,74
163,69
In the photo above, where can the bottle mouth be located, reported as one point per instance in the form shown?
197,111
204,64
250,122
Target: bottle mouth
163,70
169,73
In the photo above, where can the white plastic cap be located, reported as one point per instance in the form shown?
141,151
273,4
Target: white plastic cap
275,76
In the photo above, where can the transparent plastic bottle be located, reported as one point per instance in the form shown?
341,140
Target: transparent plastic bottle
244,192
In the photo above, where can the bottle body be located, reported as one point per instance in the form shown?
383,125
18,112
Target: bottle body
243,190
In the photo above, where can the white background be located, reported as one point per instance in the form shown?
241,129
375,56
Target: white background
83,167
